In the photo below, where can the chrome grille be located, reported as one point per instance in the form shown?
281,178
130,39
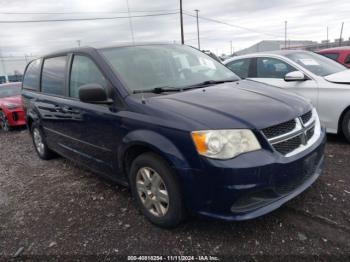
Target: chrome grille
289,145
306,117
279,129
288,136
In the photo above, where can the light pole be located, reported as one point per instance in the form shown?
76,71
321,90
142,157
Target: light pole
199,44
3,67
341,33
130,23
181,24
285,34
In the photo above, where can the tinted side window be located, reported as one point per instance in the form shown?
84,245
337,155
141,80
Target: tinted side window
240,67
272,68
347,60
84,71
53,76
331,56
32,76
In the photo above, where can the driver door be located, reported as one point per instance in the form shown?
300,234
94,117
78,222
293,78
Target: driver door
271,71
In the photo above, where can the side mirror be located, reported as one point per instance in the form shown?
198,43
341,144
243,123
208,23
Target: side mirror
94,94
294,76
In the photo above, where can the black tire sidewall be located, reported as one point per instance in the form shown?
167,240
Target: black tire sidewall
175,213
4,123
47,152
345,126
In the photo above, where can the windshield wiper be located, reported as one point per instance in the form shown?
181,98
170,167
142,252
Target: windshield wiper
208,83
157,90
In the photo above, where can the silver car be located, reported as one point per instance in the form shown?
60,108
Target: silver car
324,82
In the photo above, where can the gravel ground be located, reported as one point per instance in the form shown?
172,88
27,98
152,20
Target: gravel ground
56,208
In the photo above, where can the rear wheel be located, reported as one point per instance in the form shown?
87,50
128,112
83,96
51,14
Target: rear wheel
40,144
4,124
346,125
156,189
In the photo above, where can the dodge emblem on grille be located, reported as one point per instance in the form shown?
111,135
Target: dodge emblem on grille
303,135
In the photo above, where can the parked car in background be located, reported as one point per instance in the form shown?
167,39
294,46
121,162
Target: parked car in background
339,54
177,126
324,82
212,55
11,109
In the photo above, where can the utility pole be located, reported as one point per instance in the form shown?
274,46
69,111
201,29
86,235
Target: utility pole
285,34
199,44
341,33
130,23
181,24
231,49
3,67
78,42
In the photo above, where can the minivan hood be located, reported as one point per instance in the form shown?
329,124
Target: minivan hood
243,104
342,77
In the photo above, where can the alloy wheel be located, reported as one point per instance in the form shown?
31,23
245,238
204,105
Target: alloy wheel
152,191
38,141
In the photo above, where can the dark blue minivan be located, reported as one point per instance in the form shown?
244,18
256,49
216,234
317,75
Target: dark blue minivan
183,131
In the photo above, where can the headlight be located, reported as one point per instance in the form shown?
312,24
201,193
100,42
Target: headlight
224,144
11,106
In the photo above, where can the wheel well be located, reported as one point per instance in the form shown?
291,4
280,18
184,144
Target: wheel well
340,129
29,123
133,152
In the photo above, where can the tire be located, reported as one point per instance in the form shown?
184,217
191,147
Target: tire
345,125
39,142
151,196
4,123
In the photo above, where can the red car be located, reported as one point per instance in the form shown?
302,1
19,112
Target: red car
11,109
339,54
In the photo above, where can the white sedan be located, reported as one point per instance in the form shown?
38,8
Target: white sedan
324,82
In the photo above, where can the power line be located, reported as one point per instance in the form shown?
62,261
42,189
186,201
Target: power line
82,19
231,25
87,12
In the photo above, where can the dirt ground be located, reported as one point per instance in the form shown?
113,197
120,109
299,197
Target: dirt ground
56,208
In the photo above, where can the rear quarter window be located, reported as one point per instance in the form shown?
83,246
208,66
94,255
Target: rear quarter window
347,60
53,75
32,76
333,56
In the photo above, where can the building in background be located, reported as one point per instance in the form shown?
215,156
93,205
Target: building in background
272,45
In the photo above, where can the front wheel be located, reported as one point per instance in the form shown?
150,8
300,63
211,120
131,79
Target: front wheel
346,125
157,191
4,124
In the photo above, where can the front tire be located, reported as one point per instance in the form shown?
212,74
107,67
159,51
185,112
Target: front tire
4,124
156,190
346,125
40,145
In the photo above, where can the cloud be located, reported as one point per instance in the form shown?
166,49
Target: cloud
307,20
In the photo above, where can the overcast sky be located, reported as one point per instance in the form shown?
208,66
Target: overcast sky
307,20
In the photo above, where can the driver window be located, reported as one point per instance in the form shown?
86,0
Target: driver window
272,68
84,71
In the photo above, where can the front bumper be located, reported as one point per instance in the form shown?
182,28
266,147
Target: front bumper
253,184
15,117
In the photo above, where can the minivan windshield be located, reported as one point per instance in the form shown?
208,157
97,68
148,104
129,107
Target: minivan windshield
10,90
315,63
148,67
